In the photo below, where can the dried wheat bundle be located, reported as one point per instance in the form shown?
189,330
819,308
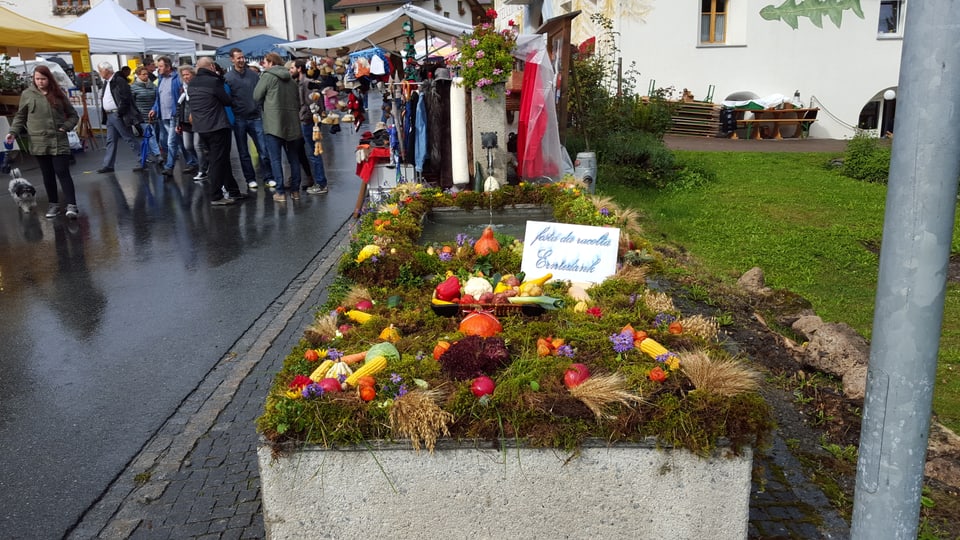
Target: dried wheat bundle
631,273
724,377
356,294
323,329
698,325
407,188
600,391
658,302
417,416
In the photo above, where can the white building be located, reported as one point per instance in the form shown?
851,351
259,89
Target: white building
211,23
843,57
360,12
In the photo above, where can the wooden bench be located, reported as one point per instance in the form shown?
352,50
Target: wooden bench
799,117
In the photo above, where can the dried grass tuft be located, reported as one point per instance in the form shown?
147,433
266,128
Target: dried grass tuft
632,274
417,416
600,391
356,294
698,325
724,377
323,329
658,302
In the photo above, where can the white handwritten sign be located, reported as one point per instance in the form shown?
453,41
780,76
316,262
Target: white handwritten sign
578,253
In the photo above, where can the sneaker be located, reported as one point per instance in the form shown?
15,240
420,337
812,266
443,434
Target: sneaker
271,183
317,190
295,195
53,211
252,184
167,172
279,197
200,176
222,202
105,170
72,211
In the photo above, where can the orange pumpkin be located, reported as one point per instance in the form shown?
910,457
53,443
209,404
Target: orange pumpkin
487,243
367,393
480,323
675,328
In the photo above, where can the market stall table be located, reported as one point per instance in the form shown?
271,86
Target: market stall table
801,118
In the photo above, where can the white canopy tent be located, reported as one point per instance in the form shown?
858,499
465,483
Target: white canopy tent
114,30
382,31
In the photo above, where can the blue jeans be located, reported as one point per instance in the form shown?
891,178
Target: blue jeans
254,128
274,144
316,162
175,146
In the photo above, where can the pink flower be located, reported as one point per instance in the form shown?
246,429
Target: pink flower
474,42
480,54
469,63
497,71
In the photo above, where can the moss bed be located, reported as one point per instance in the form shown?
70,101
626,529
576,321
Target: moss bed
530,404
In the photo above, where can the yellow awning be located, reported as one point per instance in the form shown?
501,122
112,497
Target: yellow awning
20,36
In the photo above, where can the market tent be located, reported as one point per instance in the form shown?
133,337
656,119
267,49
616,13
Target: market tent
382,31
114,30
20,36
256,46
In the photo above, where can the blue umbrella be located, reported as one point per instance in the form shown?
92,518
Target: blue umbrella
256,46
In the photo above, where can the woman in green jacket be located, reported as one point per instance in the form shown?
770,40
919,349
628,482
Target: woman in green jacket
46,115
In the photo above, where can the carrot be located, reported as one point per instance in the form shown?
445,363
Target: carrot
353,358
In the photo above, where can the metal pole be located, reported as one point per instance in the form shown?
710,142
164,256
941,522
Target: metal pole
918,225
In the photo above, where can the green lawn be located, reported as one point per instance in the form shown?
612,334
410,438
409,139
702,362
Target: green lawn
810,229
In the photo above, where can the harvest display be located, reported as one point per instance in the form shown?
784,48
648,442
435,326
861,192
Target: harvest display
451,340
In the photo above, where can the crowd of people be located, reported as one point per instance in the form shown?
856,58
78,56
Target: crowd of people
192,114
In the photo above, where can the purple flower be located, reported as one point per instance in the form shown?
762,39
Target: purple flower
666,356
342,378
334,354
373,259
402,391
312,390
445,257
420,355
395,378
461,239
622,342
633,298
604,212
565,350
663,319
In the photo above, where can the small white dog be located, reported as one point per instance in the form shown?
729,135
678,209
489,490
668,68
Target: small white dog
22,191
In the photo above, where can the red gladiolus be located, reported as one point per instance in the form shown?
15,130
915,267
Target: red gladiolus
595,311
299,382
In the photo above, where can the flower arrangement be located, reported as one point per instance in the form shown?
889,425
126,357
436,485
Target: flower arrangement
578,371
11,81
486,56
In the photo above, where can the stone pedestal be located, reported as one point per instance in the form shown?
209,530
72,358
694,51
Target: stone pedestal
490,116
388,490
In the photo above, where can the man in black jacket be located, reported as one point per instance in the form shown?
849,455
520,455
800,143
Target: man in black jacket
208,102
119,114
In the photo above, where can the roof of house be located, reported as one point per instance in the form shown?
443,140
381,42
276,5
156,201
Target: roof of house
351,4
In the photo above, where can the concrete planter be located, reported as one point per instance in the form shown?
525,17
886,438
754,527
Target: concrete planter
388,490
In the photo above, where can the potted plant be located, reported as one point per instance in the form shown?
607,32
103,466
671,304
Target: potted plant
12,84
486,56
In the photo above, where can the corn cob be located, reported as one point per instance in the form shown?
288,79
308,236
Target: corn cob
321,371
370,367
652,348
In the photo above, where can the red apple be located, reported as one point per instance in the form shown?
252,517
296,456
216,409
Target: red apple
482,386
576,375
329,384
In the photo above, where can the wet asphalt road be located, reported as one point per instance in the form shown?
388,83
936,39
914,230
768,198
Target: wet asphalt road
108,322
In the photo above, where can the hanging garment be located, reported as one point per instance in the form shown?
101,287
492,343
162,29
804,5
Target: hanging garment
420,143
